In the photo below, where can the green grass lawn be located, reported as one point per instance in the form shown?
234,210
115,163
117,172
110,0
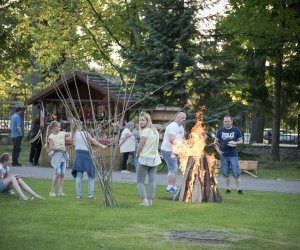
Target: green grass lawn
259,220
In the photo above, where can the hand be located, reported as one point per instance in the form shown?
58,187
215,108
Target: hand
232,144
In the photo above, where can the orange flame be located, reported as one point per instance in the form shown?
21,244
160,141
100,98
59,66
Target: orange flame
194,146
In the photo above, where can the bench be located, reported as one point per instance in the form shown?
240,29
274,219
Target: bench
245,166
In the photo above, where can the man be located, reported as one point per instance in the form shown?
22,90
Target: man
35,141
17,133
174,131
227,138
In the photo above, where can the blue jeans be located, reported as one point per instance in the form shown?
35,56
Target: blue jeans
171,160
135,158
230,162
91,182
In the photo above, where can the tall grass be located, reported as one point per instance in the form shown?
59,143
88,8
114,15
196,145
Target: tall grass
263,220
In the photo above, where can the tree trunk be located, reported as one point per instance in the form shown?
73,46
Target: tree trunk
258,91
276,110
257,123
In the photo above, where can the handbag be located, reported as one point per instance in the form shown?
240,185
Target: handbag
147,161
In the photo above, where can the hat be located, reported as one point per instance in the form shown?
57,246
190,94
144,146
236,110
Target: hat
18,109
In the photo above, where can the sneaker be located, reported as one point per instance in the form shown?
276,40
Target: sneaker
52,194
40,197
125,171
78,197
169,189
172,190
61,194
240,191
145,203
11,192
92,197
228,191
24,198
16,164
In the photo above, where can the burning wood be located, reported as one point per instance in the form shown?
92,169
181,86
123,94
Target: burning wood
199,183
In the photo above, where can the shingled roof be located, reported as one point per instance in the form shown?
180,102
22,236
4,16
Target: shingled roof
100,88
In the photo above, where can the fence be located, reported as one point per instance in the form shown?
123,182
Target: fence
287,134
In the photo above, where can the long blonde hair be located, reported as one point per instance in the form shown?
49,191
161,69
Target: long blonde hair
75,125
49,129
149,121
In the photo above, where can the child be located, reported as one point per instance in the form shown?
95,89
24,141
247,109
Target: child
59,156
7,181
83,161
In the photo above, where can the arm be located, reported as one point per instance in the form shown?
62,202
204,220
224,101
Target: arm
20,130
53,147
235,143
123,140
95,142
172,138
217,146
141,145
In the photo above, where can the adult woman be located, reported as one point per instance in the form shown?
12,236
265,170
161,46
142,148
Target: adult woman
83,161
127,144
6,180
148,158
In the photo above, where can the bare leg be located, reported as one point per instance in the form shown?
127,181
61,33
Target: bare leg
61,184
172,179
227,182
238,183
54,181
27,188
12,180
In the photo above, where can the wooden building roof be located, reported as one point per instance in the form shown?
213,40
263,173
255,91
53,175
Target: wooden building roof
82,86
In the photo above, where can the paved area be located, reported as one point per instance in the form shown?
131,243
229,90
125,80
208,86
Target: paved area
248,183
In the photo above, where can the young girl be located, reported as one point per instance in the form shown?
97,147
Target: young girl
148,158
59,156
6,180
83,161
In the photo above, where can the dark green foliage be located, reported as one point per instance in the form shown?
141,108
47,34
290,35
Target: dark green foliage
164,54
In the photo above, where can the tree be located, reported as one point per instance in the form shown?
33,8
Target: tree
271,30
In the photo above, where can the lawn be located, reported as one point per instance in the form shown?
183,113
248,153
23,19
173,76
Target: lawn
257,220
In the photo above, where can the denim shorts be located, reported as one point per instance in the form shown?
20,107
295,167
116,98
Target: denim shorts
171,160
59,162
228,163
2,187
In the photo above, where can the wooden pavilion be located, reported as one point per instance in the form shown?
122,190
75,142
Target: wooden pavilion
96,99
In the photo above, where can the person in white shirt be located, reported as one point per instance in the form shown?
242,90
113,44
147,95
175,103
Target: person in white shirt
83,161
174,131
127,144
7,180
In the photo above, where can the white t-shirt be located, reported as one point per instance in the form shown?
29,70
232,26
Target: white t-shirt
129,141
80,140
3,171
172,129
